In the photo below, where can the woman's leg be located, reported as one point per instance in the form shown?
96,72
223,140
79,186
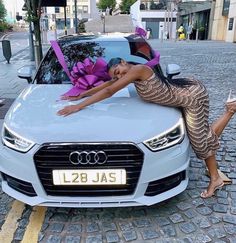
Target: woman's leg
215,180
203,138
218,127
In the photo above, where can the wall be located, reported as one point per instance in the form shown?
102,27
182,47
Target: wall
231,34
94,12
159,16
219,22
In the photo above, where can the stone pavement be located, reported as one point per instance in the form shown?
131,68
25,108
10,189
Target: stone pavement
10,84
186,218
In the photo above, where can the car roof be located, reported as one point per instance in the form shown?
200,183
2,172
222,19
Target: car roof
88,37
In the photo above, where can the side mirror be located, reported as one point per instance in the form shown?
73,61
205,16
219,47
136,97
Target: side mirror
172,70
26,72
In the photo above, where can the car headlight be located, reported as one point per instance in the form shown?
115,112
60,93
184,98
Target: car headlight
167,139
15,141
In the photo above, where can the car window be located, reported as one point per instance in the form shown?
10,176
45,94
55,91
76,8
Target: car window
51,72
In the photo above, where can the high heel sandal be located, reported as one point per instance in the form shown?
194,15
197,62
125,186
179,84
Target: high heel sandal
231,103
216,188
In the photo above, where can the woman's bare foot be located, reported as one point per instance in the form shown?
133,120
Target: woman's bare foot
213,186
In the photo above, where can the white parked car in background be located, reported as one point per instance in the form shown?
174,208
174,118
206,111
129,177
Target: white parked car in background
119,152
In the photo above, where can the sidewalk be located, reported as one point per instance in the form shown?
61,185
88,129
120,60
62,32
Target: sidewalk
10,84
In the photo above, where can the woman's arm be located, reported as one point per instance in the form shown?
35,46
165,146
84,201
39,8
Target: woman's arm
89,92
134,73
96,89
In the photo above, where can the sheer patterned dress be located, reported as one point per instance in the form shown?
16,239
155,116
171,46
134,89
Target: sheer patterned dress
194,101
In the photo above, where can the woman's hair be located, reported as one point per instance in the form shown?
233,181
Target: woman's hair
117,60
181,82
113,61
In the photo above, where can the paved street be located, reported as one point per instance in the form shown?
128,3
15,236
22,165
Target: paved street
18,41
185,218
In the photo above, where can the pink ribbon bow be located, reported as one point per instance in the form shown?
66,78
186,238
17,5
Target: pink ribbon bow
156,59
140,31
86,75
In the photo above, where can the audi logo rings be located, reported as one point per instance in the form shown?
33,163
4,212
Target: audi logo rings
84,157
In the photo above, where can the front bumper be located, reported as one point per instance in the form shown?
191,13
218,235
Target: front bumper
166,168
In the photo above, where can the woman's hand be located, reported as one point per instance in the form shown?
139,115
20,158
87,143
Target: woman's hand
67,110
72,98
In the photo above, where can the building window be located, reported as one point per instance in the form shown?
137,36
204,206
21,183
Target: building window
85,9
57,9
225,10
81,8
231,24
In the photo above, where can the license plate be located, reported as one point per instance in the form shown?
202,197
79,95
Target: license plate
89,177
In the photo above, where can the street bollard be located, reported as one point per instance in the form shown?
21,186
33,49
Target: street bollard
162,35
188,37
197,35
6,49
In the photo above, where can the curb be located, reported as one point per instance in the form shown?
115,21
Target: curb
3,37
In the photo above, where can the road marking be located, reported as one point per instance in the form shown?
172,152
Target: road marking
11,223
34,226
199,54
228,52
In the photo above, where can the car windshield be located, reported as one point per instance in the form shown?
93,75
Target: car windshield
51,71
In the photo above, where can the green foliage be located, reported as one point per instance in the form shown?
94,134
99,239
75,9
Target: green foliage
3,11
5,26
29,17
125,5
201,29
103,4
33,13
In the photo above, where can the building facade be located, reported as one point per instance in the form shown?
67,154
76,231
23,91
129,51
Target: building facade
198,15
159,17
213,19
86,9
224,21
55,16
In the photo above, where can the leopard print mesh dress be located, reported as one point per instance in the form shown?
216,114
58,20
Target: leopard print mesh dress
194,101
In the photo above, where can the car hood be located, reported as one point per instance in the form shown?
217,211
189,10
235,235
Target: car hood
123,117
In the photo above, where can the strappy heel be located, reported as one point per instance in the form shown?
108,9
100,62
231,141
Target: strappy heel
231,103
215,189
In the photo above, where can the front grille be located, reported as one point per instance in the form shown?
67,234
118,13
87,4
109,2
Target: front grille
119,156
159,186
20,186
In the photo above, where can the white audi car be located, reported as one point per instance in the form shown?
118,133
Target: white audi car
119,152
